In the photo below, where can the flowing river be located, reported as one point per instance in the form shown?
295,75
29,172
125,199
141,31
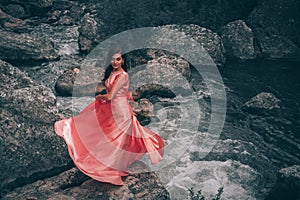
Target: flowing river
250,149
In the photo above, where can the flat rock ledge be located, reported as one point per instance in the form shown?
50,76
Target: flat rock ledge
72,184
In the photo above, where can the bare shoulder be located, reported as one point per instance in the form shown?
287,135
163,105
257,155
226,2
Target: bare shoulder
124,74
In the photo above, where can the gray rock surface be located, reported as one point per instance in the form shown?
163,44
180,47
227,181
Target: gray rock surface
143,109
24,47
238,40
29,147
208,39
32,7
165,76
89,32
10,22
72,184
275,37
263,103
277,17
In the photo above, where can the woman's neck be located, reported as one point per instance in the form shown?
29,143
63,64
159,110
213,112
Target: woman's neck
119,70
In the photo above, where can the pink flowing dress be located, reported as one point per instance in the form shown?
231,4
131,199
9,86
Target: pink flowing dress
106,137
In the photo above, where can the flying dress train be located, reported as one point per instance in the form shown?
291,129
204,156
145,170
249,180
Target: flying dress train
106,137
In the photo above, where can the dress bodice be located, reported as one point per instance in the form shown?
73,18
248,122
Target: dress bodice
109,83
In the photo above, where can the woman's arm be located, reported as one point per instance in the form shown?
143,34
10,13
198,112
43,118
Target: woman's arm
116,87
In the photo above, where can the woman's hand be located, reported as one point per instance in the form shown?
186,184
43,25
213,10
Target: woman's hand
99,96
105,97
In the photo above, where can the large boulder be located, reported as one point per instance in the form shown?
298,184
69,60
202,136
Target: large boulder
65,82
165,76
76,82
24,47
29,148
208,39
275,26
238,40
277,17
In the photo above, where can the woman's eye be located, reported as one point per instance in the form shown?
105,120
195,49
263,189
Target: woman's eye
117,59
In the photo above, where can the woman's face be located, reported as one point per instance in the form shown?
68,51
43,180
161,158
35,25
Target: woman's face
117,61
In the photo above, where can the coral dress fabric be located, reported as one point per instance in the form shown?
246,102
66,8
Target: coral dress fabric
106,137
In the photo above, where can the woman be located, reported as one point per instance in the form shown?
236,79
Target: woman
105,138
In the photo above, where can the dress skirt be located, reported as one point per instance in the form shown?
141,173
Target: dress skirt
106,137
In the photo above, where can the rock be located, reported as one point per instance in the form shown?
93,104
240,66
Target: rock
214,15
276,46
238,40
72,184
144,110
143,107
181,65
263,103
172,35
24,47
91,35
158,81
54,16
29,147
89,29
34,7
15,10
209,40
39,4
277,17
63,4
292,172
272,32
66,21
85,45
65,12
50,186
165,76
74,82
288,184
9,22
64,83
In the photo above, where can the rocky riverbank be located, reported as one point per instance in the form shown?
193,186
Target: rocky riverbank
44,41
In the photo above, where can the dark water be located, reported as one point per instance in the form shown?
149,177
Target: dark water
279,77
281,131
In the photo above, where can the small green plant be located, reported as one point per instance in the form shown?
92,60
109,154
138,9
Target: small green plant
218,195
199,195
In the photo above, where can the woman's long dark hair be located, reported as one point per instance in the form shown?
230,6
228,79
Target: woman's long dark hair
109,68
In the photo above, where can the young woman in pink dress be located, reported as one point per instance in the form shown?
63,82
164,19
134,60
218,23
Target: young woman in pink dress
106,137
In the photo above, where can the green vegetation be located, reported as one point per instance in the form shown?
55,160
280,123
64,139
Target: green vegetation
199,196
